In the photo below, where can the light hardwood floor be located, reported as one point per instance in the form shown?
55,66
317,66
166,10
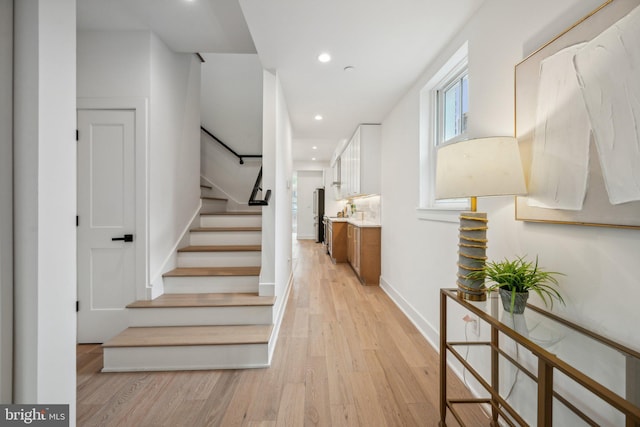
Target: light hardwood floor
346,356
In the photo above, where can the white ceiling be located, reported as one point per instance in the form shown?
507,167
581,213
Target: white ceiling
388,42
215,26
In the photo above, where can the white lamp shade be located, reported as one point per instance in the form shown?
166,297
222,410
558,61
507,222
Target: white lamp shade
479,167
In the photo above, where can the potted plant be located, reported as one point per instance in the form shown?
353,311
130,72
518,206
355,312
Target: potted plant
515,278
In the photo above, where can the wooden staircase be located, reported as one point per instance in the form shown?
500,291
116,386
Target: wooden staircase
211,315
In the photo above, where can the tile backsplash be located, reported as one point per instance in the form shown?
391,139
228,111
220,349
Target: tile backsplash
368,207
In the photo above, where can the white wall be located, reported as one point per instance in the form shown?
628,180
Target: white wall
268,266
308,181
231,104
174,151
114,64
231,99
419,257
282,192
45,202
331,205
276,268
6,200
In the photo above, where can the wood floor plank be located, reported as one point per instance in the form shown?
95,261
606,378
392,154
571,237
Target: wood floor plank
301,323
368,407
344,415
291,411
346,356
317,411
316,346
338,366
219,400
247,390
265,404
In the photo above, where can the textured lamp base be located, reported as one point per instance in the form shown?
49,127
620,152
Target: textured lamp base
472,255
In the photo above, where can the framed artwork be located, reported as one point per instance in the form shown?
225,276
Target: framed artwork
580,156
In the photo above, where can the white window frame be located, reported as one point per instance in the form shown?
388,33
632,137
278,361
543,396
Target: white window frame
430,135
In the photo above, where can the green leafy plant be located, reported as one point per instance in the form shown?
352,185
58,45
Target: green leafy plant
520,275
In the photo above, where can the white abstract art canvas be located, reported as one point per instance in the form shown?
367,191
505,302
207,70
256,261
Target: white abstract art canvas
560,167
608,70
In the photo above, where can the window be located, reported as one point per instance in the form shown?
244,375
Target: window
444,113
453,109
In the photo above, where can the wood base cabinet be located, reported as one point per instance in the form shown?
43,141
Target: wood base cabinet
363,253
337,241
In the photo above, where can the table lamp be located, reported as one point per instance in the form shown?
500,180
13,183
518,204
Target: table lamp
477,168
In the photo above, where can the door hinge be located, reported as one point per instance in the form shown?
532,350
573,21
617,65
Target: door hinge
77,220
77,306
77,135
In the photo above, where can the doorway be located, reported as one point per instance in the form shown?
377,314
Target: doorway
307,182
139,247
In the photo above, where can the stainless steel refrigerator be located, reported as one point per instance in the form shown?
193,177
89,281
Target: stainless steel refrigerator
318,214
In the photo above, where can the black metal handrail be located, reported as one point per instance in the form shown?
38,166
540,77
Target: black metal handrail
254,193
240,157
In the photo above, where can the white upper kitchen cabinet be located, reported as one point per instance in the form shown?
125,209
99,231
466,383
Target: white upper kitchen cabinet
360,163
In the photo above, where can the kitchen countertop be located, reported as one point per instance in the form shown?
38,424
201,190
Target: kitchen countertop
354,221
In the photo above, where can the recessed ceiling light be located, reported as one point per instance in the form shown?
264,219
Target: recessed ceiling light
318,117
314,148
324,57
313,158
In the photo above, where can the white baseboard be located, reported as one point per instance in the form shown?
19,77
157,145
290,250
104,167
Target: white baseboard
305,236
266,289
280,309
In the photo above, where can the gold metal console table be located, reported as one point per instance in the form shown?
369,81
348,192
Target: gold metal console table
571,352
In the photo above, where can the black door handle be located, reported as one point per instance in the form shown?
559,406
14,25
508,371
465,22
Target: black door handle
125,238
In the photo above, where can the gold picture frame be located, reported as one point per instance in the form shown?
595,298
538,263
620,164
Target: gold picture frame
596,211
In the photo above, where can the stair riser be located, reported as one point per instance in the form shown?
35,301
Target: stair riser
130,359
230,220
219,259
210,285
209,205
205,238
200,316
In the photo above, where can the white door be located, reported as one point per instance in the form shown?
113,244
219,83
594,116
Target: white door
106,219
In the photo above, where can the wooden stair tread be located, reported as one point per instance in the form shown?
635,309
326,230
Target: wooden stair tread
222,248
214,198
232,213
212,271
222,229
191,335
205,300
